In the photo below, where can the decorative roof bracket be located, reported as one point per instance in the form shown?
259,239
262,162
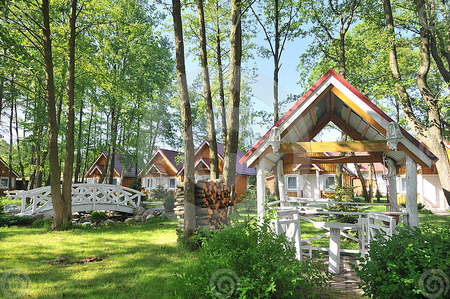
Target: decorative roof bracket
275,139
393,135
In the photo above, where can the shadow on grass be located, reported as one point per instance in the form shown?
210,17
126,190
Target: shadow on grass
137,261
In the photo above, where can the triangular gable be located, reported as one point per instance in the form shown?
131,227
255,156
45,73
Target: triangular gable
241,168
332,99
6,165
167,155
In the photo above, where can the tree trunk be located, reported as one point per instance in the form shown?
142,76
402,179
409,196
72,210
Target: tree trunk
70,118
229,171
363,183
223,113
214,161
59,211
189,180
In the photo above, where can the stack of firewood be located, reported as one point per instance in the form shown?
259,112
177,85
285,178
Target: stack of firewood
212,199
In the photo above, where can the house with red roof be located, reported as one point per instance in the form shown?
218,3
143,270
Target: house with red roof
123,175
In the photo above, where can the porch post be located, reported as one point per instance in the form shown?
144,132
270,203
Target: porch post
261,187
281,186
411,192
392,177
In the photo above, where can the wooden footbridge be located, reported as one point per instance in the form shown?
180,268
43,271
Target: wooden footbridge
85,197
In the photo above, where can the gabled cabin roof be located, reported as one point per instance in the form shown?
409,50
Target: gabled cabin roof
6,166
118,166
169,156
333,99
240,168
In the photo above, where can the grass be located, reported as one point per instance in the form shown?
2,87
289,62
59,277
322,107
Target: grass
137,261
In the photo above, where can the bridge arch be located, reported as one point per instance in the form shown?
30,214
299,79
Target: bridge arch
85,197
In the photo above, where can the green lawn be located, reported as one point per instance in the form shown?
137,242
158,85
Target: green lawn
138,260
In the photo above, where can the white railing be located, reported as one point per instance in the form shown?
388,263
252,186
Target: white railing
85,197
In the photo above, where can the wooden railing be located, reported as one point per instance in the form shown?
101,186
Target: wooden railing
85,197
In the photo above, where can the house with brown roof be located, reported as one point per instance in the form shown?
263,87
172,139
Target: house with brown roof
123,175
162,169
202,166
4,178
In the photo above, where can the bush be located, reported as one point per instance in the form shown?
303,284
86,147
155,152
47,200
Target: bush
42,223
414,263
98,216
15,220
247,260
158,194
4,202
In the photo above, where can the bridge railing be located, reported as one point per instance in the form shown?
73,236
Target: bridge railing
84,197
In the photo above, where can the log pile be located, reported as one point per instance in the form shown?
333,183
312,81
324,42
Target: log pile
212,199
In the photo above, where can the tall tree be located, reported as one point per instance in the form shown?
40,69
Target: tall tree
231,146
189,179
430,130
214,161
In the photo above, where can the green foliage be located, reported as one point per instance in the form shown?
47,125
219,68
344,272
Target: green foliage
98,216
159,193
42,223
414,263
169,202
247,260
15,220
343,194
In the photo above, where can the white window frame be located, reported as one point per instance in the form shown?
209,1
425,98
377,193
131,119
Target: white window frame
401,184
287,177
174,185
329,188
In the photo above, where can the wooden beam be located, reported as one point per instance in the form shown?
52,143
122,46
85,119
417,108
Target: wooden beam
336,159
335,146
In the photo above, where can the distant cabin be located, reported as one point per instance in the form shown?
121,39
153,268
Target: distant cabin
162,169
4,178
123,175
202,166
166,168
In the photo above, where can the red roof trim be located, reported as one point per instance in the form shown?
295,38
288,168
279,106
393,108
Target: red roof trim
334,74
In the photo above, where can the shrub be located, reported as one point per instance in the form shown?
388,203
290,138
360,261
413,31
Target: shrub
247,260
98,216
169,202
4,202
414,263
42,223
15,220
158,194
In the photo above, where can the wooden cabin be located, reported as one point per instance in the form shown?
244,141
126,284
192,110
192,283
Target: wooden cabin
202,166
4,178
123,175
373,134
162,169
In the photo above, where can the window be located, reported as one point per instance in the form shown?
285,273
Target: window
329,182
4,183
402,184
291,182
172,183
